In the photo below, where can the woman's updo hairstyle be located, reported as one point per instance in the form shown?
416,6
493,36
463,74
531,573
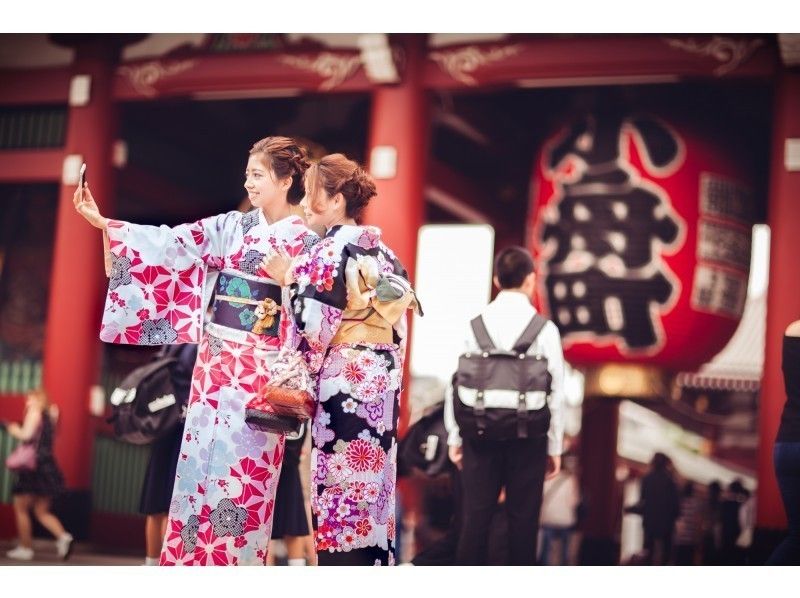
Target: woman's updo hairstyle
286,158
336,174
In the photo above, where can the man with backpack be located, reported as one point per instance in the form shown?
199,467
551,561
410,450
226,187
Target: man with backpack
504,413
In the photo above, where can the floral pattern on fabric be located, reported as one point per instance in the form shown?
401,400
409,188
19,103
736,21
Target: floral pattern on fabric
321,270
224,492
159,273
221,508
354,451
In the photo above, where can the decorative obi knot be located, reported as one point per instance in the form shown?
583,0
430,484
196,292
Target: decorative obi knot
375,302
247,304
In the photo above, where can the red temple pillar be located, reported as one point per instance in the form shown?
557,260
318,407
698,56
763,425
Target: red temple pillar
598,458
77,286
399,126
783,296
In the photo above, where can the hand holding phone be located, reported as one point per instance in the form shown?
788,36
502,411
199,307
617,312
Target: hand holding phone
82,177
84,202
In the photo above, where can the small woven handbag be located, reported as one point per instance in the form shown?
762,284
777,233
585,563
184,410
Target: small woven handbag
287,402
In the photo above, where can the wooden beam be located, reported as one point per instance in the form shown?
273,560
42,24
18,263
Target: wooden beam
465,200
545,61
31,166
593,59
34,86
229,76
456,194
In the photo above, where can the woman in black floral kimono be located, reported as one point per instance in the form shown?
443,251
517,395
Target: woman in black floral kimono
349,296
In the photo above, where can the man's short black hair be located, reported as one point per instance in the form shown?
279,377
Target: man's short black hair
511,266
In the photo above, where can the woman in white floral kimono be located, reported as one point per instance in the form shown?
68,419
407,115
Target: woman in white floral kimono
160,283
349,296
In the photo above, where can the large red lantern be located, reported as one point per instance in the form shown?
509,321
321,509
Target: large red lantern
641,228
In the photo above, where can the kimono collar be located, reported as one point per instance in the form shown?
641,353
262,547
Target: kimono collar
291,217
365,237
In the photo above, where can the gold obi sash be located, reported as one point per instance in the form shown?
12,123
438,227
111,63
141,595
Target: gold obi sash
375,303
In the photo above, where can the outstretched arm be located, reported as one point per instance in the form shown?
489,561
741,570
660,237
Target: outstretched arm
86,206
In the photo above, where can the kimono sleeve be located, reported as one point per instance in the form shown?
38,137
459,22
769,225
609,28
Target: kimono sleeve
299,239
156,285
318,300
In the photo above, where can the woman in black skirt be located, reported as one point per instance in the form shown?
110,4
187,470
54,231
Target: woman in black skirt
36,489
290,522
160,476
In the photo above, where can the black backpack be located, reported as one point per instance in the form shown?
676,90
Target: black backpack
494,369
145,406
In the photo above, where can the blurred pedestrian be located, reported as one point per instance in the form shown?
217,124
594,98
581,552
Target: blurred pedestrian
559,518
712,525
786,453
659,507
35,489
731,516
688,527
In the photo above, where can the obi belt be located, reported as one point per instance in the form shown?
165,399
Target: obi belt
247,304
375,303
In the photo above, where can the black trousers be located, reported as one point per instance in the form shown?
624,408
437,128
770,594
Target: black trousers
519,465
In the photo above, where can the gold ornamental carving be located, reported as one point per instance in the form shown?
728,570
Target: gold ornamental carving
726,50
335,69
462,63
144,77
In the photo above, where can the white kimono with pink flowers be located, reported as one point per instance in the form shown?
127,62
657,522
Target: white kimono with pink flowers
222,502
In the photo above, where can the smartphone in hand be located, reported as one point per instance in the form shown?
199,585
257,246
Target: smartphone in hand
82,176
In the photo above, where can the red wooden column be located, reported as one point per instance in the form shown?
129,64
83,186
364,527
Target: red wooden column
399,123
77,286
598,458
783,297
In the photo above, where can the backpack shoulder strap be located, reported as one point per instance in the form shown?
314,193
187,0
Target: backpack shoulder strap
530,333
139,374
481,334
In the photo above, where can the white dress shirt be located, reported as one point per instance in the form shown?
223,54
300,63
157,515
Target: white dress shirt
506,319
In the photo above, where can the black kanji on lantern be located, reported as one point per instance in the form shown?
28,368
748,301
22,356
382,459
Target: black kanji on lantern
604,269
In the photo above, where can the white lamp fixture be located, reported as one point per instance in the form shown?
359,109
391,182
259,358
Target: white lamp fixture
119,153
80,88
383,162
791,155
376,55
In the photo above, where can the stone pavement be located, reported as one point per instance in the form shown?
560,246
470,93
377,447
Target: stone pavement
82,554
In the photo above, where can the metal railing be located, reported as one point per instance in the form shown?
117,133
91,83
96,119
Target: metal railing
7,444
117,475
18,377
32,127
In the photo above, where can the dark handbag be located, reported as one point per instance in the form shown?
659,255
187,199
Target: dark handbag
287,402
